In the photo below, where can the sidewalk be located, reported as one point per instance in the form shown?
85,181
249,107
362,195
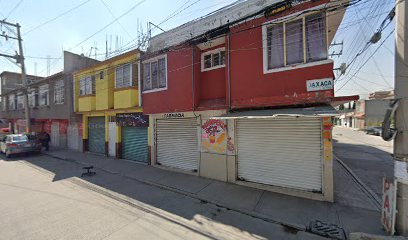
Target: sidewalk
272,207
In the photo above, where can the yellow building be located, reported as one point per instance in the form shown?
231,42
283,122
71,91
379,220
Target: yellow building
108,97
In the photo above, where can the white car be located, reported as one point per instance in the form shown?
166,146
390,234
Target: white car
19,143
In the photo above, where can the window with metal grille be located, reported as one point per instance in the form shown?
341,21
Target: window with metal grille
213,59
155,74
87,86
303,40
123,76
59,90
43,95
20,101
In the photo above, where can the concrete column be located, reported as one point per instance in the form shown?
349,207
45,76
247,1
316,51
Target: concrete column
401,80
401,116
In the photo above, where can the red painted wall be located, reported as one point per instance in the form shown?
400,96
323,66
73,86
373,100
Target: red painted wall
212,84
250,87
178,97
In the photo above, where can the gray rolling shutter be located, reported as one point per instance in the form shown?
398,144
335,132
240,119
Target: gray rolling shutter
177,143
96,134
134,144
284,151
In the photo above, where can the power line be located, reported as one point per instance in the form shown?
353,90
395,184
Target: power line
114,17
56,17
351,78
15,7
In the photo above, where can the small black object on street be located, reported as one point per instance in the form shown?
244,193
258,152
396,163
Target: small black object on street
88,172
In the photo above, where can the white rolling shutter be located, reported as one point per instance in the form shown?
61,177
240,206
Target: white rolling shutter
284,151
177,145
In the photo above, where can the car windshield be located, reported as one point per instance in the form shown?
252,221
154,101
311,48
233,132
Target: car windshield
19,138
31,137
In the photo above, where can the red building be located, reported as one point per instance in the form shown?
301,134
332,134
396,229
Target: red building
242,95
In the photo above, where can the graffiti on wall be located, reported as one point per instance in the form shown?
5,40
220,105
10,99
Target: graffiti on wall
214,136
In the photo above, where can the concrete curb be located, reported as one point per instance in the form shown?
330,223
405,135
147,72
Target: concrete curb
364,236
293,226
370,193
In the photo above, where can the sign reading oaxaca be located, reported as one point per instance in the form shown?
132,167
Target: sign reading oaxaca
132,120
319,84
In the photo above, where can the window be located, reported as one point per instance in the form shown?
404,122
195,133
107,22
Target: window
213,59
12,102
316,37
20,101
87,86
59,92
43,95
275,46
123,76
296,42
32,98
4,103
155,74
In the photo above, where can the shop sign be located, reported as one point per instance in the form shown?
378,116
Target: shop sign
389,206
132,120
174,115
319,84
277,8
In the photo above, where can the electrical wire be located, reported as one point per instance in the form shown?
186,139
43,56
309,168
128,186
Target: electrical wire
15,7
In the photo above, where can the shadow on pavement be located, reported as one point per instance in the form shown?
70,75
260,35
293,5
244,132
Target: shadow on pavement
369,163
168,205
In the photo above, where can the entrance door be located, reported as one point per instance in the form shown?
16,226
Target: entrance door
177,143
284,152
55,136
96,134
134,144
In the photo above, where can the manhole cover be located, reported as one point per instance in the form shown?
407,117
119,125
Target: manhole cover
327,230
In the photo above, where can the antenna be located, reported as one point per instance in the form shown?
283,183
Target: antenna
48,65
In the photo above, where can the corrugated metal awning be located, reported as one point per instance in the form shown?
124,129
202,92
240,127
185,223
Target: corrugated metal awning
321,111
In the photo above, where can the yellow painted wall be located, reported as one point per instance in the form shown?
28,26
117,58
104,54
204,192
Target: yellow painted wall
84,127
86,104
105,97
126,98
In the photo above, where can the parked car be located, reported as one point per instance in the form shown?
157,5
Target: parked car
19,143
374,131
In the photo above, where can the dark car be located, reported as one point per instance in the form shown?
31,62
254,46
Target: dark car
374,131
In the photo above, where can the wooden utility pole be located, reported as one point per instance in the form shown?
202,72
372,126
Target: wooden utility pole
20,59
401,114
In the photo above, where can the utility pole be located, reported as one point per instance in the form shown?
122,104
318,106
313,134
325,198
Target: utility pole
401,114
20,59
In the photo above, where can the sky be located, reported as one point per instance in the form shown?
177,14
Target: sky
49,27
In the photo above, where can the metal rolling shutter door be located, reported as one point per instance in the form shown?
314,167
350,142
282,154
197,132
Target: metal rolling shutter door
177,143
284,151
134,144
96,132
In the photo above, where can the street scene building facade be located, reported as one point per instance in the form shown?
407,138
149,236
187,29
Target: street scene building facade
50,103
224,125
247,105
108,98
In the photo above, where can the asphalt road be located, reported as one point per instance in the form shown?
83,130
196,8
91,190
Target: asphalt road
369,157
35,204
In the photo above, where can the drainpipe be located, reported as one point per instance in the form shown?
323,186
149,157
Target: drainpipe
229,72
192,77
139,81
